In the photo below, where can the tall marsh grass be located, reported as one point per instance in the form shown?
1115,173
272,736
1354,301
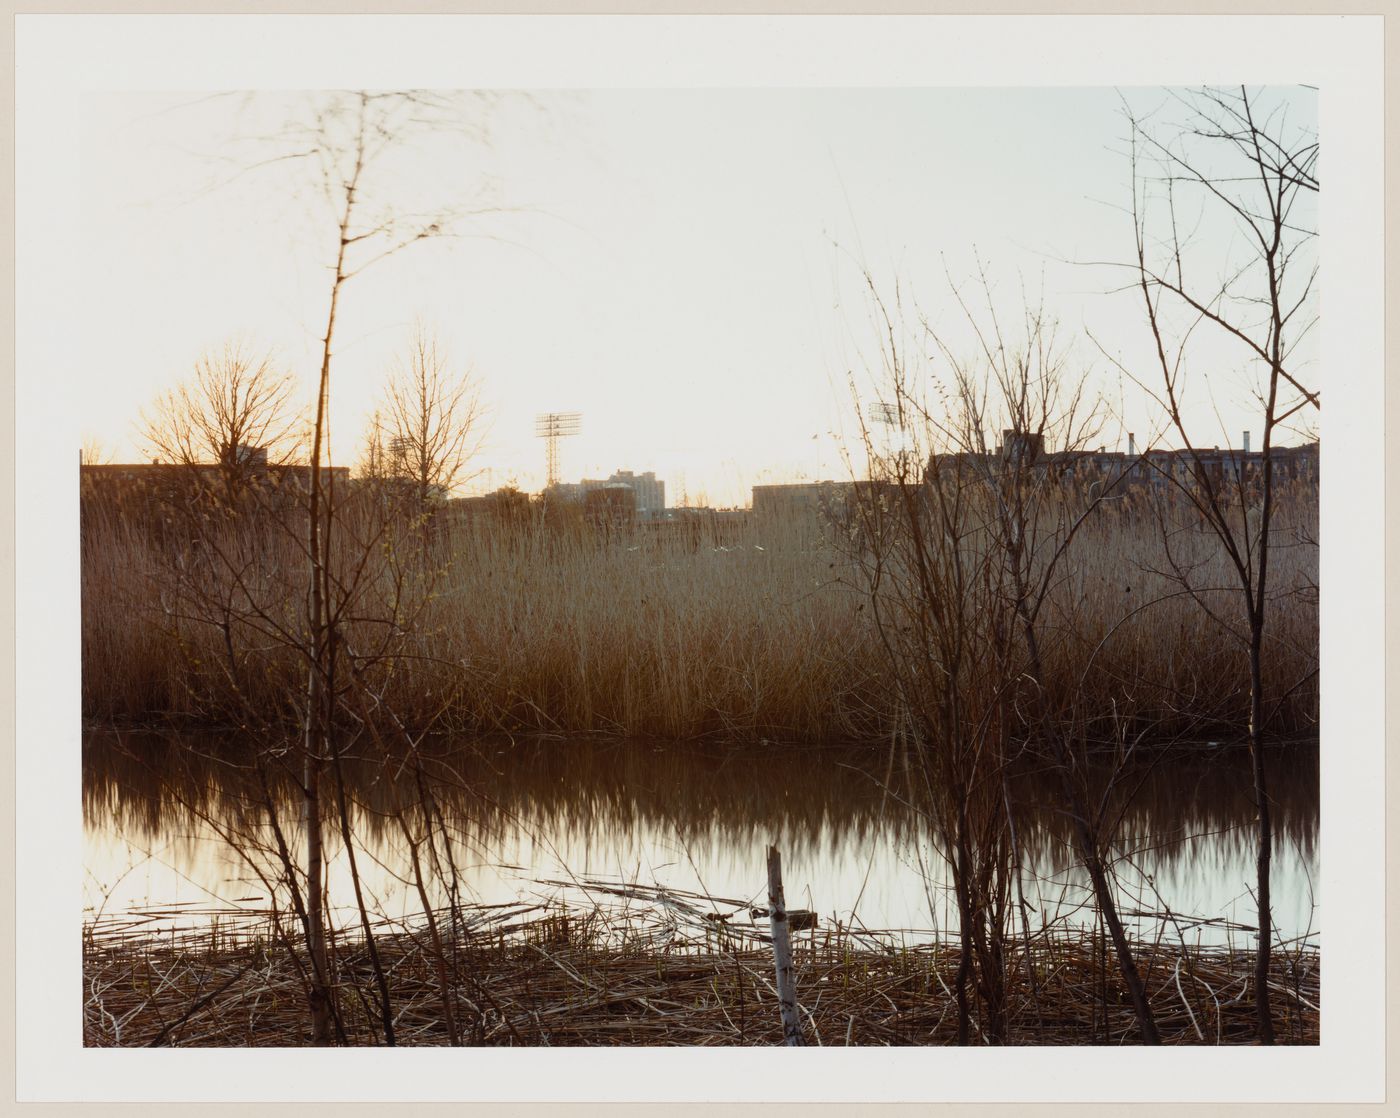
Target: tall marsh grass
749,632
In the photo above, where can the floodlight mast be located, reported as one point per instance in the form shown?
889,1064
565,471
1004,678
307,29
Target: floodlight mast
887,416
884,414
553,426
400,455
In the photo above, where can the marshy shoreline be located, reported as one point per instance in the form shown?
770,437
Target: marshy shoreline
548,976
633,965
755,633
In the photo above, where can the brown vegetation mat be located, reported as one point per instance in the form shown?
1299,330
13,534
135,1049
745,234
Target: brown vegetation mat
537,976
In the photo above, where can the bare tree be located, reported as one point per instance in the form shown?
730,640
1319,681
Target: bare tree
429,424
917,529
237,412
357,598
349,137
92,452
373,464
961,545
1233,156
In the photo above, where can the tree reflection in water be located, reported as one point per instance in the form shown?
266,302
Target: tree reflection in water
163,812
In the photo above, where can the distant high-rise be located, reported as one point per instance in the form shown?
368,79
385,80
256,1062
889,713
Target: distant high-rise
650,490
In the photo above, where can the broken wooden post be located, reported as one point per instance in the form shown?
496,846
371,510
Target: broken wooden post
782,951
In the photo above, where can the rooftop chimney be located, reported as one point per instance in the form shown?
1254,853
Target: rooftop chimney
1246,442
1132,445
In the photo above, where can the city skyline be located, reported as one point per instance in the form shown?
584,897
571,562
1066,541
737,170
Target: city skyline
688,268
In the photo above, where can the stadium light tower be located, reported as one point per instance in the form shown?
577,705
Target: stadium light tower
887,416
553,426
880,412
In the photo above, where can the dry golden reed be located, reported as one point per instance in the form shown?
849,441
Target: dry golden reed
749,628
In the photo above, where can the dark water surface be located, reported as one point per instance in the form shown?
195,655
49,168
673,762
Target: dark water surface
164,817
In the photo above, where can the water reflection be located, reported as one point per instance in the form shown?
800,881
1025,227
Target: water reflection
164,813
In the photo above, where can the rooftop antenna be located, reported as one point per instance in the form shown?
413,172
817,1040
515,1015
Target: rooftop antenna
553,426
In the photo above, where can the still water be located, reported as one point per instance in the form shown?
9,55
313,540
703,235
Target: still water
166,818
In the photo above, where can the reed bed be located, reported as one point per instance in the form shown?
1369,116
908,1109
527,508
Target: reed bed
748,630
650,968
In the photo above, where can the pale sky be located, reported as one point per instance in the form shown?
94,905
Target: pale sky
681,266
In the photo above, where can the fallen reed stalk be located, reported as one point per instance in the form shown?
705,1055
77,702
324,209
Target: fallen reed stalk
546,975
